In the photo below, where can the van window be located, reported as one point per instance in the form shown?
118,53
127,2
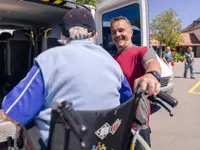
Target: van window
132,13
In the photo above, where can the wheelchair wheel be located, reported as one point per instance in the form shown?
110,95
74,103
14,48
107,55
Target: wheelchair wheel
142,142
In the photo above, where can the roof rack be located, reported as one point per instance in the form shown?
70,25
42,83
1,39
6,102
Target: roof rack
63,4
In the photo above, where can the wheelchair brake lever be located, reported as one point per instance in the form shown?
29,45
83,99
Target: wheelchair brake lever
154,100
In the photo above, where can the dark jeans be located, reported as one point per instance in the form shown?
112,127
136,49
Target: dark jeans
191,67
145,133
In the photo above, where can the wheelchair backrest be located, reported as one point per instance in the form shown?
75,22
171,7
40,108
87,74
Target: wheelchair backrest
107,130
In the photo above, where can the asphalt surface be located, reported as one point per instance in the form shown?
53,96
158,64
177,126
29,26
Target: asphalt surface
181,132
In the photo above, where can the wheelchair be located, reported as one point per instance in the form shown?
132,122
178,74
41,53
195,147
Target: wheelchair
91,130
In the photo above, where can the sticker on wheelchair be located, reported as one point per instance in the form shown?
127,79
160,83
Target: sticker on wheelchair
106,129
99,146
115,126
103,131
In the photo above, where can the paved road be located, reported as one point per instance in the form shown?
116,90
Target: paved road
181,132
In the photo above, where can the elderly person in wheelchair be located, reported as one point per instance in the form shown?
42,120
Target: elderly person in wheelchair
82,76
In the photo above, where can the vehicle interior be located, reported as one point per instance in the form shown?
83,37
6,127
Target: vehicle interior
36,27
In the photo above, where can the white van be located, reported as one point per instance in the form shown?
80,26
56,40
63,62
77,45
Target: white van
31,18
34,19
137,13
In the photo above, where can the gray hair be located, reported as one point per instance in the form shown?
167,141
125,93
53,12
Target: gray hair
76,33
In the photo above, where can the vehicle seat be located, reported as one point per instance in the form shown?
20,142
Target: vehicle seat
19,50
3,38
51,37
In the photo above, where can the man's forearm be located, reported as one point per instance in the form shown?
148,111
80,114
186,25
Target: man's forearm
152,64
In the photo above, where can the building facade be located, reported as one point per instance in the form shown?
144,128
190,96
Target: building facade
190,37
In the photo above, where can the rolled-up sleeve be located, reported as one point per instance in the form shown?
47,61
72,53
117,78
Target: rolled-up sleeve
147,53
27,98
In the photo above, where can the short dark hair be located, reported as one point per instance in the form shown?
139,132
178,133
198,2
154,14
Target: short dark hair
115,19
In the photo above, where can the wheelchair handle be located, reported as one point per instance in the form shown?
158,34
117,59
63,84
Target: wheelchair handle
73,118
163,97
168,99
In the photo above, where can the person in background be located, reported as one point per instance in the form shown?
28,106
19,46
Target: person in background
189,63
167,57
139,64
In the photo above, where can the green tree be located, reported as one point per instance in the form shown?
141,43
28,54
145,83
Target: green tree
166,28
89,2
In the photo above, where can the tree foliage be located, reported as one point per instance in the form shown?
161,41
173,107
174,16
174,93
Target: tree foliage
89,2
166,28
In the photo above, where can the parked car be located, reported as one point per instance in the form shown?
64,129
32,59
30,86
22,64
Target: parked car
167,81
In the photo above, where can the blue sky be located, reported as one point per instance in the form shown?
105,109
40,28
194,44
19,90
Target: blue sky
187,10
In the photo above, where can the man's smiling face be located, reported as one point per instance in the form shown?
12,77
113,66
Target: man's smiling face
121,34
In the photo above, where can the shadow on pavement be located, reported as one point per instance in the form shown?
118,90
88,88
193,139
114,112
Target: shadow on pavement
196,72
179,77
